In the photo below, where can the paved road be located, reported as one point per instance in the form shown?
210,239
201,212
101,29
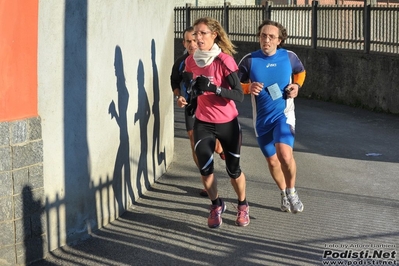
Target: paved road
348,171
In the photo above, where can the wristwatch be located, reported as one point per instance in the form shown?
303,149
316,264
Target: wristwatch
218,91
178,96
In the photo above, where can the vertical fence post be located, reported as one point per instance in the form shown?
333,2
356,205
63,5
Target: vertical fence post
267,10
314,25
226,6
367,28
188,15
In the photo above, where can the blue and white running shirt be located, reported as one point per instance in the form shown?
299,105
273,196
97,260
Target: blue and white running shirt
277,69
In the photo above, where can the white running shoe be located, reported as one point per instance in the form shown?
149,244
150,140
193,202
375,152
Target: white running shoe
295,202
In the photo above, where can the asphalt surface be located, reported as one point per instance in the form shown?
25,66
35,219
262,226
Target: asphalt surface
348,173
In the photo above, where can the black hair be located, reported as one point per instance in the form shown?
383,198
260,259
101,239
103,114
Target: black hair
188,30
282,31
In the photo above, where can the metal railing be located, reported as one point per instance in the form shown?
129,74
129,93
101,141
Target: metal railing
365,28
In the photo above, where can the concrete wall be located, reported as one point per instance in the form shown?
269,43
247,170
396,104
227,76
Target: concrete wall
106,108
352,78
348,77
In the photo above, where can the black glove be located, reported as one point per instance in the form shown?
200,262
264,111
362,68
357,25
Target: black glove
192,90
202,83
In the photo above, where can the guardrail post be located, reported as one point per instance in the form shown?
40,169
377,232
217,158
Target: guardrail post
188,15
367,28
267,10
226,6
314,25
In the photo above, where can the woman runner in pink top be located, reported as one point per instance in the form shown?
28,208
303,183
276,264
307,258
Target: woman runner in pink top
217,85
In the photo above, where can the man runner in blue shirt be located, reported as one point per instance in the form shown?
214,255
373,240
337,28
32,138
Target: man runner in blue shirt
273,76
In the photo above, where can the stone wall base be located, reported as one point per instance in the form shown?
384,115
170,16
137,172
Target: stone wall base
22,217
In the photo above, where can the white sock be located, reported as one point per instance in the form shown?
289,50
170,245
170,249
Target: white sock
290,190
283,193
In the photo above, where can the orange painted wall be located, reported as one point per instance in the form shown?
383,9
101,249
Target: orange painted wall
18,59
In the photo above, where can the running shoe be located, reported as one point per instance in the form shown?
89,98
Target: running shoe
242,215
295,202
215,216
285,204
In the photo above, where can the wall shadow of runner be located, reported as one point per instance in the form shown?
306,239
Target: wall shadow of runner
156,153
122,170
143,116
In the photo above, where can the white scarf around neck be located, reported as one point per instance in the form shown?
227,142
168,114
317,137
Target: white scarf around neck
205,58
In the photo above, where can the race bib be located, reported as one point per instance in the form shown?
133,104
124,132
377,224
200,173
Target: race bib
275,91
